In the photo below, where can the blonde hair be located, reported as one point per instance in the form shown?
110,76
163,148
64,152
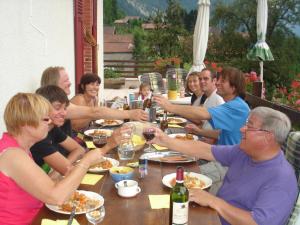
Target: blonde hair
51,75
25,109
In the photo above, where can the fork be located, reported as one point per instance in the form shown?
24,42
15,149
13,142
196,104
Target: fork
72,214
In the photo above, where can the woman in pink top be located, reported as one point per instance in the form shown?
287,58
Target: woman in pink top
24,186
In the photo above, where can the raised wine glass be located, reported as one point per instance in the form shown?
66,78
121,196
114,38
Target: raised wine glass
95,216
99,140
149,134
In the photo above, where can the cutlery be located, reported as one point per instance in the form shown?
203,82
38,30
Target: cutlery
72,215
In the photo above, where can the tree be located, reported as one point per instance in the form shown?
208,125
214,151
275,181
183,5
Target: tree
237,24
111,11
164,41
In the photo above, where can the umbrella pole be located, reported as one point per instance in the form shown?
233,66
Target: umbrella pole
261,64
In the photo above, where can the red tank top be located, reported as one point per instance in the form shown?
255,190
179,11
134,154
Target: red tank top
17,207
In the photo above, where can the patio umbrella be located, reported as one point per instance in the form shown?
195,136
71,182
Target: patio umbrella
261,50
200,35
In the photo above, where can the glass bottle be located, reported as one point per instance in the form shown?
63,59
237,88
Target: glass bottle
164,121
126,107
179,200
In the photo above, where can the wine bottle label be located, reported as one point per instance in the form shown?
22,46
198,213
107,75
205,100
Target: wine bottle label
180,213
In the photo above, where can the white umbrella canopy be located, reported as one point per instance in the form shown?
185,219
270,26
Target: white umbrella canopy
200,36
261,50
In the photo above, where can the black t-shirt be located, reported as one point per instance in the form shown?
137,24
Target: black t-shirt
67,129
47,146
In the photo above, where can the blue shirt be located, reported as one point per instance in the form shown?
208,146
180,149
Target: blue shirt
229,118
267,189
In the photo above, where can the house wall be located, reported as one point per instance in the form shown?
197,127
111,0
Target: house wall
34,34
118,56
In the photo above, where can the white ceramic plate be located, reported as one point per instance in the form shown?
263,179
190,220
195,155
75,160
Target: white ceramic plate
91,131
159,156
89,194
169,177
115,123
183,135
114,162
178,120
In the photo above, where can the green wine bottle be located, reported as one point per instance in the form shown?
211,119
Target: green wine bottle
179,200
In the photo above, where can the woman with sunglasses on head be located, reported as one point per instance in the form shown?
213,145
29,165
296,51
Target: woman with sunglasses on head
24,186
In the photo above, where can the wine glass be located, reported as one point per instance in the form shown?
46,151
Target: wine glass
149,134
95,216
99,140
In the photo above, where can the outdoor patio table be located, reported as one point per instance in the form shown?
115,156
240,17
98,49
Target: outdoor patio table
180,101
137,210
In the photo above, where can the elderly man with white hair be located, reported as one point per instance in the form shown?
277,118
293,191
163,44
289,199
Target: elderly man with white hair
260,186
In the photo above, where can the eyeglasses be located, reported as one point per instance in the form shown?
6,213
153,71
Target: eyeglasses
46,119
249,128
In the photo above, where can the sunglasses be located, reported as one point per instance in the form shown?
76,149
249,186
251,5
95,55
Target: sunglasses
47,119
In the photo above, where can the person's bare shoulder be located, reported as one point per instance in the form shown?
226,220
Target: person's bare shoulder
78,100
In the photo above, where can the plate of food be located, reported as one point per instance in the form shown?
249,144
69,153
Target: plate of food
93,132
176,120
105,165
109,123
168,157
184,137
161,112
84,200
191,180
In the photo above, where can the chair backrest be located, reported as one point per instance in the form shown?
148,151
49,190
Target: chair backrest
292,151
154,80
295,216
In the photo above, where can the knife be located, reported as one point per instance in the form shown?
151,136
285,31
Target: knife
72,215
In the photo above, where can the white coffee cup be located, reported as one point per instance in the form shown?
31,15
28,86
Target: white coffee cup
128,188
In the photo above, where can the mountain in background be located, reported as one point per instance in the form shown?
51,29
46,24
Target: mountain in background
145,8
148,7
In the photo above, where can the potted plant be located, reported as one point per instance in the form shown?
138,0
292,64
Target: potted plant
113,79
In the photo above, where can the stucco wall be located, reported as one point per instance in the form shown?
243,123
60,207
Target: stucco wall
34,34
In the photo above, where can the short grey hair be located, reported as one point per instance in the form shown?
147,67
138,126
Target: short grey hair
274,121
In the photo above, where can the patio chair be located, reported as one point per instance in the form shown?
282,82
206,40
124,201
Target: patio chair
155,81
292,153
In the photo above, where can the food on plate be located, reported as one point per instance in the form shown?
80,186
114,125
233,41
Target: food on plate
185,137
175,120
99,132
110,122
106,164
173,158
190,182
81,201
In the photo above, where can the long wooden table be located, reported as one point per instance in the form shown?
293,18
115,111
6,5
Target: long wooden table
137,210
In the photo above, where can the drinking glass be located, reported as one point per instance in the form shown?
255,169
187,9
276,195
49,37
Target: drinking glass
99,140
149,134
126,147
95,216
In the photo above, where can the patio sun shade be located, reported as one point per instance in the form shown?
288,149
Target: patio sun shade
200,35
261,51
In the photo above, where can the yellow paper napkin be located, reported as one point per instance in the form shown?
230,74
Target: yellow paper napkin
91,179
174,125
80,136
90,144
159,201
159,148
58,222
